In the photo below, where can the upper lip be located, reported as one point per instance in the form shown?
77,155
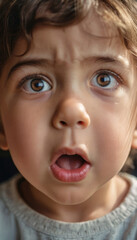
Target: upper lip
70,151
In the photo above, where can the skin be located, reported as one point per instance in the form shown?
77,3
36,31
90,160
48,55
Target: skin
99,120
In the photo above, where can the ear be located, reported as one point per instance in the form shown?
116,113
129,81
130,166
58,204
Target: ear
134,141
3,141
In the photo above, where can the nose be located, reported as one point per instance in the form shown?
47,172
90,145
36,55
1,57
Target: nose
71,113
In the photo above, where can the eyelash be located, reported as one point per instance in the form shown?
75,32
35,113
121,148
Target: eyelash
92,81
111,74
34,77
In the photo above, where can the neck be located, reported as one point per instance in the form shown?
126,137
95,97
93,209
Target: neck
102,202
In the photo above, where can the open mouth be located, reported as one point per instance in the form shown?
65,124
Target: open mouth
70,168
70,162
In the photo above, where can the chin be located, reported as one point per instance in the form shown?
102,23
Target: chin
69,197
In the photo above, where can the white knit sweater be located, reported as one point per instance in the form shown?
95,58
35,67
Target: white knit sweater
19,222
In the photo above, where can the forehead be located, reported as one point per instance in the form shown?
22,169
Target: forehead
90,37
76,37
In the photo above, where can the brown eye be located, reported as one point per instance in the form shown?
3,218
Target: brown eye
105,80
36,85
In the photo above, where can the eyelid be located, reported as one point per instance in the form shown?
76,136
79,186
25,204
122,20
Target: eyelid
120,82
31,76
111,72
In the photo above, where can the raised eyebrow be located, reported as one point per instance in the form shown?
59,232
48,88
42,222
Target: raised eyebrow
102,59
119,61
108,60
44,62
30,62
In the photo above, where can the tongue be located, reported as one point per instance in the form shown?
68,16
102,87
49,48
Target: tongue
70,162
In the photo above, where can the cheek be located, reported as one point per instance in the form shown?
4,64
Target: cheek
26,132
112,137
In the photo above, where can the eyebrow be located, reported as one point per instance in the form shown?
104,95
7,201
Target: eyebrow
106,59
30,62
117,62
48,62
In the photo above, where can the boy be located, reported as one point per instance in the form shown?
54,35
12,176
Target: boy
68,117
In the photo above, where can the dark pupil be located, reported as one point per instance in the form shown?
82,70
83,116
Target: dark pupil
37,85
103,80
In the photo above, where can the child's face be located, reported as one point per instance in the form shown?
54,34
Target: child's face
72,92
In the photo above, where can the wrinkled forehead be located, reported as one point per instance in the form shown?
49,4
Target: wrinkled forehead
79,36
93,28
91,36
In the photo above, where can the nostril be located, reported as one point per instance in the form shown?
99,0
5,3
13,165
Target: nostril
80,123
63,123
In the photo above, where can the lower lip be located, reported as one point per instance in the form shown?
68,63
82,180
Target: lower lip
73,175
